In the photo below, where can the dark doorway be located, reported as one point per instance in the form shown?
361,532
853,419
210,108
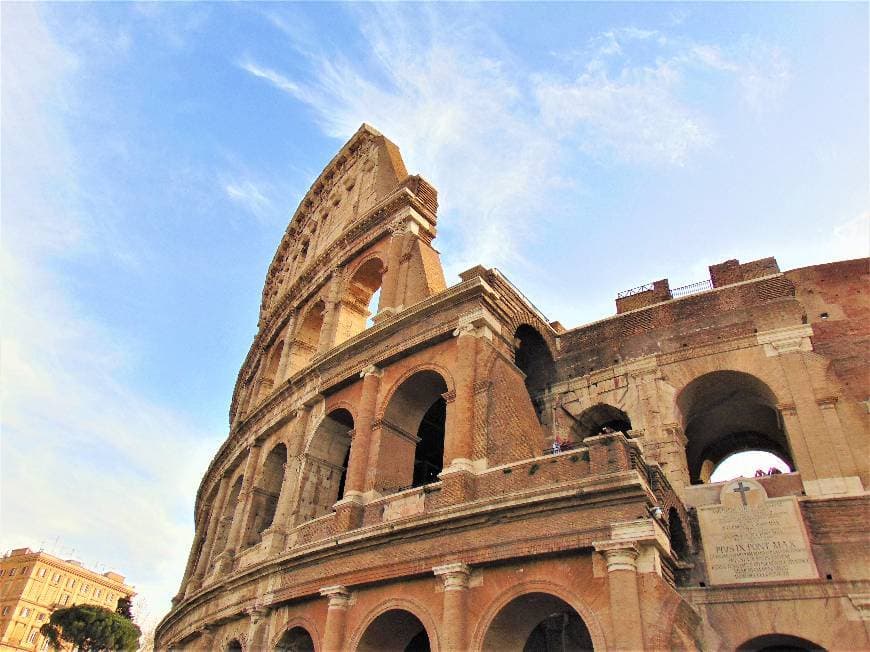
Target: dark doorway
429,454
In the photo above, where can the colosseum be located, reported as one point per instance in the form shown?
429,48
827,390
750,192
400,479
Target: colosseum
417,466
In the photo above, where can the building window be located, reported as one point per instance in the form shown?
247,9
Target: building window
40,616
65,600
2,570
42,572
98,593
24,570
5,611
11,572
56,578
85,588
32,637
25,612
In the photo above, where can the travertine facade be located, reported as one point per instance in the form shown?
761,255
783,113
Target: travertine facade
33,584
394,485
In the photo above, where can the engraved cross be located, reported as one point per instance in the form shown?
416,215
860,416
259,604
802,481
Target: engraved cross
741,489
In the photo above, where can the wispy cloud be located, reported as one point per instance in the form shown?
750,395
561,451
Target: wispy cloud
249,195
101,466
494,134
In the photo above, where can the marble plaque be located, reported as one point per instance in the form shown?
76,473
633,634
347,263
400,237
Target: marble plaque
749,537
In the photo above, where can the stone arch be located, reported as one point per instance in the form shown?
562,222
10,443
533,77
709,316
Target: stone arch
602,417
306,339
297,621
485,638
360,291
534,358
266,493
724,412
389,618
295,639
779,643
426,366
270,370
234,640
324,464
228,511
413,428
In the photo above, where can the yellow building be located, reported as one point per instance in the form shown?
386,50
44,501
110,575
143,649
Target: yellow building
34,584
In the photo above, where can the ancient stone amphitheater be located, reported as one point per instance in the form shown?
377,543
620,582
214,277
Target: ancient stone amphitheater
412,466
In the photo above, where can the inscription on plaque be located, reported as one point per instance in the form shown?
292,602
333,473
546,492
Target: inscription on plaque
749,537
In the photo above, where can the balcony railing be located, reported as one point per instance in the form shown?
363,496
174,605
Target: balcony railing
692,288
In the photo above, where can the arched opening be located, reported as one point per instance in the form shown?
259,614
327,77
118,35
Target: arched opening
414,424
356,306
779,643
537,622
748,464
396,630
324,468
677,533
226,519
601,419
234,646
534,359
270,373
296,639
727,412
307,338
265,498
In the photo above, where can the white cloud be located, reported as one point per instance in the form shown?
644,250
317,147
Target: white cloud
250,195
86,458
494,134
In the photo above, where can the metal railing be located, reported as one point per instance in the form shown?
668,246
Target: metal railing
640,288
692,288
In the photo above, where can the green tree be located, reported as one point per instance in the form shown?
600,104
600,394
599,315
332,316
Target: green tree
91,628
125,608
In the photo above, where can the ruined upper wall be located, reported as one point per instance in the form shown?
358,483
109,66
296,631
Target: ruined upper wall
365,172
836,297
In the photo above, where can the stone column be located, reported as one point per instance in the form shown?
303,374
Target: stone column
336,617
207,548
237,531
360,452
281,374
258,632
627,623
454,615
459,441
206,638
389,302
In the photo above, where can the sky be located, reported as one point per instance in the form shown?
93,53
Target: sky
152,155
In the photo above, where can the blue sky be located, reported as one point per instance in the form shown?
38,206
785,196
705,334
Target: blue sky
153,153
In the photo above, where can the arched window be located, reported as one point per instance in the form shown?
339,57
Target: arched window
537,622
601,419
266,494
270,373
727,412
307,338
234,646
356,305
779,643
325,466
226,519
534,359
295,640
414,422
396,630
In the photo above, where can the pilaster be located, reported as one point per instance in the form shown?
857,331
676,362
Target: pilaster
336,617
454,618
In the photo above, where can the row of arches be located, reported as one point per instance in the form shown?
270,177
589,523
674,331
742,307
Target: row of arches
723,414
351,314
533,622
